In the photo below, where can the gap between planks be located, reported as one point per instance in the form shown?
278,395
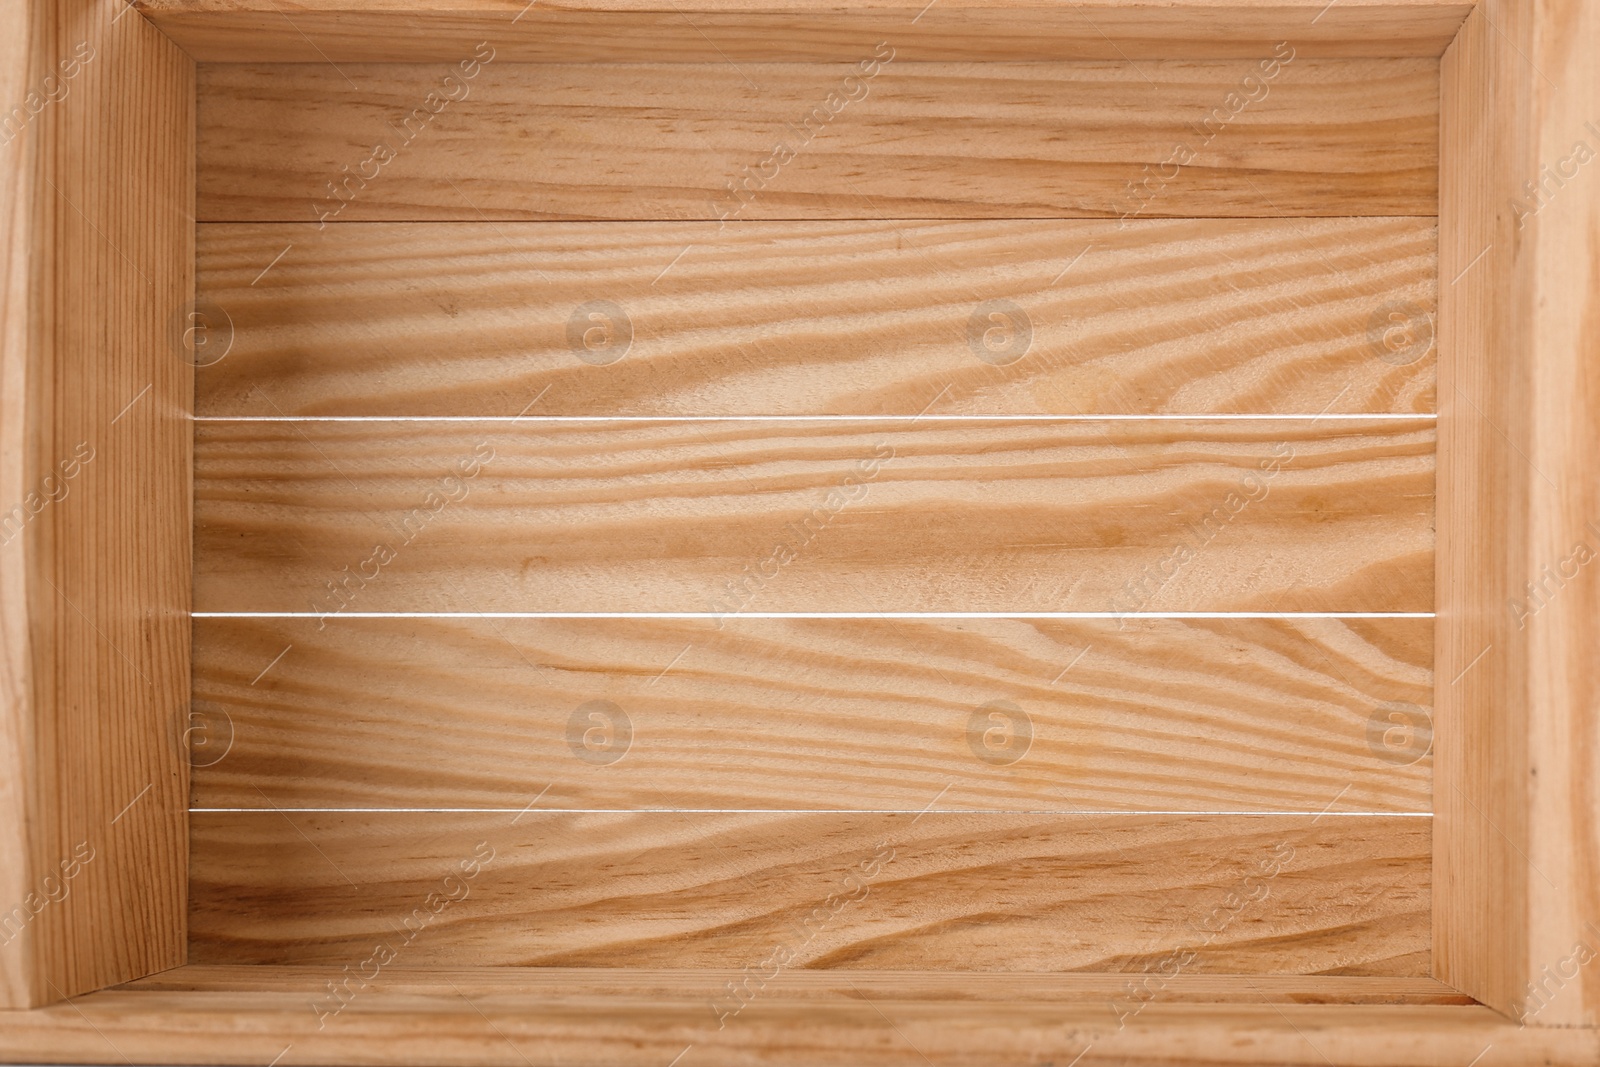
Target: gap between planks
818,614
1298,416
1315,815
891,219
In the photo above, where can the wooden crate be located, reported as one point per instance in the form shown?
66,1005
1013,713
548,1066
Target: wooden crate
617,532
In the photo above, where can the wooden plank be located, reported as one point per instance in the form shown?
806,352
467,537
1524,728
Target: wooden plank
710,31
97,204
1155,714
979,891
819,986
1519,597
1156,316
722,142
831,516
16,191
850,1030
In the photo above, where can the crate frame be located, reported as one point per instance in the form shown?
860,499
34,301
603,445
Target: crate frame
93,739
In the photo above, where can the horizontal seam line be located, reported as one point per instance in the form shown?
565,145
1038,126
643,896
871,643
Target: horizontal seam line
812,615
1294,417
809,811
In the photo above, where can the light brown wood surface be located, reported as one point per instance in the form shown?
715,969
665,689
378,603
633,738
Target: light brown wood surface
854,1026
254,31
1158,316
990,891
1517,909
974,987
1155,714
1323,137
16,667
729,517
97,205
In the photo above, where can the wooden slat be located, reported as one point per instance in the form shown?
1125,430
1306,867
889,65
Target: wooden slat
96,205
255,31
533,141
1518,918
817,986
848,1030
1157,714
843,516
16,208
984,891
1169,316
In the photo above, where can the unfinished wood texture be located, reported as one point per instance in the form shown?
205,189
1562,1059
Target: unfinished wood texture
1518,840
733,142
852,1028
256,31
934,891
17,979
97,202
1164,316
1155,714
841,516
972,987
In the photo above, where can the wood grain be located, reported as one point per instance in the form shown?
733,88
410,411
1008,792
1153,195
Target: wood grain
1156,714
843,516
818,986
300,143
96,201
850,1029
1520,515
1155,316
17,983
256,31
983,891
